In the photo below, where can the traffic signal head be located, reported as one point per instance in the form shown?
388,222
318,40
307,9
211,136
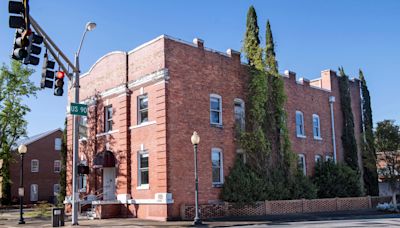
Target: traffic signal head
33,49
20,19
20,45
47,73
59,83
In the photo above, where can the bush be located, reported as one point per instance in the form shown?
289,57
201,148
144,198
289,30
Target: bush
336,180
243,185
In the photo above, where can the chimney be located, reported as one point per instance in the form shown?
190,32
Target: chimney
199,43
290,74
235,55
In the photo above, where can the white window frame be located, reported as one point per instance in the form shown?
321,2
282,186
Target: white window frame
301,134
55,166
108,122
318,130
140,169
139,111
216,96
34,169
56,187
57,144
328,157
30,192
303,157
318,157
221,167
243,114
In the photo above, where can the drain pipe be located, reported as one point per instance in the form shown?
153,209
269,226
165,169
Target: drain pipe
331,101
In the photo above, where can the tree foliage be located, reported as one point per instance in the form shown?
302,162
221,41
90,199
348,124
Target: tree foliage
336,180
348,137
368,151
14,86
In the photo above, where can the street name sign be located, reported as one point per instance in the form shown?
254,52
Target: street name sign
78,109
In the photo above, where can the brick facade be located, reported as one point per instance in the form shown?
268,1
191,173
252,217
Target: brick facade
43,150
178,78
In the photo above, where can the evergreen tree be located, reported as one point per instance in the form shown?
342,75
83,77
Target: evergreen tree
348,137
251,46
63,172
369,152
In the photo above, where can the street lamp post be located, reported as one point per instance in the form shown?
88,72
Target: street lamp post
195,141
89,27
21,150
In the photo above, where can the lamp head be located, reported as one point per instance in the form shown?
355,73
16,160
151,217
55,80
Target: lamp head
195,138
90,26
22,149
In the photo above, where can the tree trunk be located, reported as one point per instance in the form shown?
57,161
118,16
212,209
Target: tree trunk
394,199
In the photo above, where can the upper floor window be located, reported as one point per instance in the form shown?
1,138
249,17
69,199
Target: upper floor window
300,124
108,113
217,166
57,166
83,127
57,143
302,163
316,127
215,109
239,116
34,166
143,168
143,109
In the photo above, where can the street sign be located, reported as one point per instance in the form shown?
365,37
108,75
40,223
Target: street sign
78,109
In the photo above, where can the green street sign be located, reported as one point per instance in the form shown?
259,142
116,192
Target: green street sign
78,109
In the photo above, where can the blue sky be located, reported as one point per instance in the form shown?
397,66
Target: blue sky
310,36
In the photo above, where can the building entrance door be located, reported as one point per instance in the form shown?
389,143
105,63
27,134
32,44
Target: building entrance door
109,183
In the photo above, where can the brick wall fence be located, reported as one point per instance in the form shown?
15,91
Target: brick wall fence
283,207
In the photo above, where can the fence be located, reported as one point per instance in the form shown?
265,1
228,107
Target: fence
282,207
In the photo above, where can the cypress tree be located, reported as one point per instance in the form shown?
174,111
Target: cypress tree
348,137
251,46
368,152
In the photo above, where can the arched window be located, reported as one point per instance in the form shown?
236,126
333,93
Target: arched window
217,166
300,124
316,127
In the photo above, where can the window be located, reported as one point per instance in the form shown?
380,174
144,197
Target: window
108,118
217,167
143,109
34,166
56,189
57,166
302,163
215,109
83,127
318,158
299,124
328,158
34,192
239,116
316,127
82,183
57,143
143,166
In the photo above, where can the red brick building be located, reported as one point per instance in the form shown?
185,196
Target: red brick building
42,166
145,104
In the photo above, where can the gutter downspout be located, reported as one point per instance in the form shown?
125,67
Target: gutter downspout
331,101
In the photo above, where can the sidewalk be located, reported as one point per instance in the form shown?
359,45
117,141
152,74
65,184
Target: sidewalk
10,219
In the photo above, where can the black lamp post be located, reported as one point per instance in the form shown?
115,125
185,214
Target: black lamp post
195,141
21,150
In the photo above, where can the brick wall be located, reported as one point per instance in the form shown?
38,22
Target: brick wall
282,207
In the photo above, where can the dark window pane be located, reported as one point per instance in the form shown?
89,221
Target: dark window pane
215,103
216,178
144,177
143,104
144,161
143,116
215,117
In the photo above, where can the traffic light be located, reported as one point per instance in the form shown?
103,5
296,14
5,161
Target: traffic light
20,45
21,17
33,49
47,73
59,83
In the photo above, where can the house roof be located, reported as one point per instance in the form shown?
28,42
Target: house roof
29,140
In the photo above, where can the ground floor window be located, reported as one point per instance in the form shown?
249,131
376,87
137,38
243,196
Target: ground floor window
34,192
143,168
217,166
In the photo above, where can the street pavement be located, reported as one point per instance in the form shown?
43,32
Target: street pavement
364,218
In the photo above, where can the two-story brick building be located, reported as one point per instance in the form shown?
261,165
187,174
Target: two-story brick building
42,166
145,104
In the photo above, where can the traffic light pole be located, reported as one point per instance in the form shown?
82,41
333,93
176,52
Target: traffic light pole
76,74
